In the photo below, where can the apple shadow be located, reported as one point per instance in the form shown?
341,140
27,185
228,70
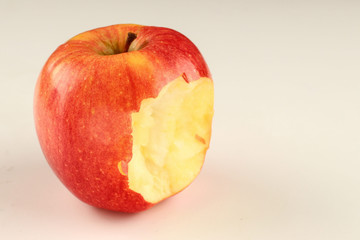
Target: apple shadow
109,215
32,192
197,198
32,188
213,188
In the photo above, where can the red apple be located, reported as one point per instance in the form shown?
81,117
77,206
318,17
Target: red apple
123,115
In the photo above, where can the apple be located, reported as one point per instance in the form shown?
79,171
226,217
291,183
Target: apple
123,115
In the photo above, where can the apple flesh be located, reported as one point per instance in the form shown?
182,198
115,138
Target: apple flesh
123,115
171,134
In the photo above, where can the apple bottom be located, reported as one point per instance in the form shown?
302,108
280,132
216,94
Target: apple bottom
171,134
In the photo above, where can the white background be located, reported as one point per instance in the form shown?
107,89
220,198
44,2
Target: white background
285,152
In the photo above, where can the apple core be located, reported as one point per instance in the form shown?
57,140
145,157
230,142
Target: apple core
171,134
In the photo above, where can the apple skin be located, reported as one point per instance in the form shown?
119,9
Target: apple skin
84,100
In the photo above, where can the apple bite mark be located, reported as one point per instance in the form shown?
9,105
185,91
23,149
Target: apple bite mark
171,134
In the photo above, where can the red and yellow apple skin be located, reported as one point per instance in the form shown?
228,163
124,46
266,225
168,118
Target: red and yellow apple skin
84,98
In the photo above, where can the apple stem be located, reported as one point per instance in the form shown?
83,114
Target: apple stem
130,38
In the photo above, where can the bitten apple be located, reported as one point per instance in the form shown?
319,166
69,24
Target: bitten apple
123,115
